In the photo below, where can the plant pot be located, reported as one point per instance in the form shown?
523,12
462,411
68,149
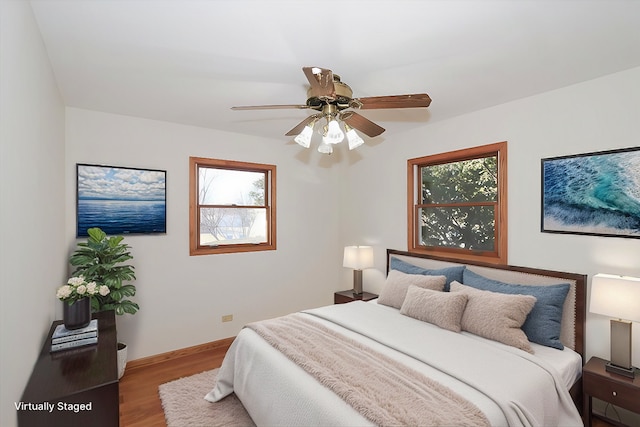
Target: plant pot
122,358
76,315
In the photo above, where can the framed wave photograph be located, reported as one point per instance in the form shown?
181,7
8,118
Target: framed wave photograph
121,200
594,193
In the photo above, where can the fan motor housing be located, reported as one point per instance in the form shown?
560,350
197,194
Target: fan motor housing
343,94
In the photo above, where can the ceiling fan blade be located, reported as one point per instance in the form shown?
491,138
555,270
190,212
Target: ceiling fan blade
270,107
321,81
300,126
361,123
416,100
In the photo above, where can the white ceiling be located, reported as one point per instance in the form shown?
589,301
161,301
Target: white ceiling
189,61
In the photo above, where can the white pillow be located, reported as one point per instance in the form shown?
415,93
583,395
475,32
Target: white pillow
496,316
443,309
395,288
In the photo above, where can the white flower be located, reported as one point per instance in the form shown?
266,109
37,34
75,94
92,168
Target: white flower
76,289
91,288
76,281
63,292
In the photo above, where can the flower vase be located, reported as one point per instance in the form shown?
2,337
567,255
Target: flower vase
78,314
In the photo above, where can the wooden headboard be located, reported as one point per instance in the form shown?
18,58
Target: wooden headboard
574,310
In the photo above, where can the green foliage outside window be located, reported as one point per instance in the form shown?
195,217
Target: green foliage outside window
458,204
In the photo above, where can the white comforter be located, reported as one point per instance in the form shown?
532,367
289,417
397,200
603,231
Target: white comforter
510,386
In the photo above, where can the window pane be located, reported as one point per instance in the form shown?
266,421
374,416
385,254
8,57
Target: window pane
225,226
469,227
474,180
230,187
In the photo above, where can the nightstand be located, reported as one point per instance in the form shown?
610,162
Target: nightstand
611,388
348,296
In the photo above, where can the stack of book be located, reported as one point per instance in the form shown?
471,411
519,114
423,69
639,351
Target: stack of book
64,339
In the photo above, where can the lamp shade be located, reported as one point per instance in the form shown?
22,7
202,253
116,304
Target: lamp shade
354,139
334,134
358,257
616,296
304,138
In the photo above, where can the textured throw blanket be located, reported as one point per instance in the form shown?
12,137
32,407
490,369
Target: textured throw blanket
366,379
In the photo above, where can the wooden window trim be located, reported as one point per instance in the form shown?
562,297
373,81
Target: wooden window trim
497,257
194,211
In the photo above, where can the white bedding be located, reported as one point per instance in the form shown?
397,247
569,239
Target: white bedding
567,363
275,391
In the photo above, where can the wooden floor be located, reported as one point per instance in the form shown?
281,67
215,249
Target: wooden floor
139,400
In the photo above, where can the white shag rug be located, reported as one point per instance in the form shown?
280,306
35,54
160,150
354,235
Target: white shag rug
184,404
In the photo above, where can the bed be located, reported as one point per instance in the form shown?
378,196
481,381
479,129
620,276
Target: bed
443,345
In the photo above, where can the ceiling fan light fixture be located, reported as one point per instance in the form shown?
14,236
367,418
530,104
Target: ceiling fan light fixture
352,136
334,134
329,96
304,138
325,148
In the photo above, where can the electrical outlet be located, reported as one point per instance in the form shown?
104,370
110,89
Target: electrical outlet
227,318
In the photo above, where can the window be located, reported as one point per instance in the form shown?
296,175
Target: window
457,204
232,206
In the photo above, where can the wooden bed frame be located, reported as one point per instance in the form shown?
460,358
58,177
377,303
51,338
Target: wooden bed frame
574,313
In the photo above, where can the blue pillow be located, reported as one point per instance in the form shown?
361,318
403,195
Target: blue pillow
543,325
451,273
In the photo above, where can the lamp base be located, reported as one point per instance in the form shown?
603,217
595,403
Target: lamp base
357,282
626,372
620,359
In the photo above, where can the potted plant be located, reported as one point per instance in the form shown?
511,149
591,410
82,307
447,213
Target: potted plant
102,259
76,297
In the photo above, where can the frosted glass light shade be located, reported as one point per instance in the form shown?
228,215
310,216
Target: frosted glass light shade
334,133
615,296
354,139
358,257
325,148
304,138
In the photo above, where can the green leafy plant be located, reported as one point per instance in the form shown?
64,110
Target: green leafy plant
102,260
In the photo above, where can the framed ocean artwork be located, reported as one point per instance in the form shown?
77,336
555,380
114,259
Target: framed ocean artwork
594,193
121,200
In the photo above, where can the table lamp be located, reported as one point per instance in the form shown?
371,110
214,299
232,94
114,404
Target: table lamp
358,258
617,297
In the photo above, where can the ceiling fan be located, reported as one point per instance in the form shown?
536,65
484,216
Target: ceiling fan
334,102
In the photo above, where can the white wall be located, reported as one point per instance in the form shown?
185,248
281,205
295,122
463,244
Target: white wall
183,298
32,190
596,115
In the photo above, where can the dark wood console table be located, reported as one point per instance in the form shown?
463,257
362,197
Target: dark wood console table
75,387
